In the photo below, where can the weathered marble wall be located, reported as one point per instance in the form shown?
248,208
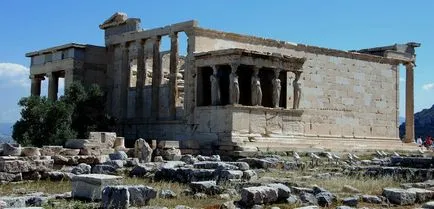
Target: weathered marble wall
342,97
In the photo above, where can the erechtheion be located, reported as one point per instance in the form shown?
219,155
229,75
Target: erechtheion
233,93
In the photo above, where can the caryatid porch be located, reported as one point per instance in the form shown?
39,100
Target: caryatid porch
248,94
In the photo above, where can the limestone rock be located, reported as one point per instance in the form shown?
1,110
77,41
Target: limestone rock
115,197
325,199
76,143
104,169
351,201
308,207
428,205
215,165
167,194
30,151
344,207
189,159
142,150
118,155
371,199
258,195
158,159
308,198
14,202
228,175
228,205
207,187
11,149
292,200
81,168
250,175
283,191
50,150
115,163
170,153
422,195
7,177
140,195
69,152
141,170
399,196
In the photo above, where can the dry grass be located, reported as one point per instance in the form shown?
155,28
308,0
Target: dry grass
26,187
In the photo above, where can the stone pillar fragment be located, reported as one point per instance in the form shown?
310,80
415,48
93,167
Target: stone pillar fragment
173,84
141,76
125,74
53,85
35,88
156,77
409,103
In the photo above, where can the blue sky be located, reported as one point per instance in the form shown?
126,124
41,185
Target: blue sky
32,25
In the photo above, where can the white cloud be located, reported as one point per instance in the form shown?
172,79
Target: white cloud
12,74
428,86
401,79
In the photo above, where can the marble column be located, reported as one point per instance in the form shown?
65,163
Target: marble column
141,76
53,85
409,103
125,74
35,88
234,87
173,84
156,77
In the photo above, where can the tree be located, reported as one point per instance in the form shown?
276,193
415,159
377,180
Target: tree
43,122
74,115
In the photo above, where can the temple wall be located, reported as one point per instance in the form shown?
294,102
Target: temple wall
342,97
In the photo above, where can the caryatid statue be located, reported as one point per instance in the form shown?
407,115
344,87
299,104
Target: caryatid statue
234,85
277,87
215,87
256,88
297,90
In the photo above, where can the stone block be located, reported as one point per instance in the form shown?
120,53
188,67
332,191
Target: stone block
400,196
90,186
50,150
422,195
258,122
30,151
258,195
165,144
11,149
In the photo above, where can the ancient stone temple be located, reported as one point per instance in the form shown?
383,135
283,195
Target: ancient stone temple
232,93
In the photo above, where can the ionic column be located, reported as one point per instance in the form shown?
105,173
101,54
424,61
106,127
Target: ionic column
141,76
35,88
156,77
234,87
173,84
125,74
409,103
53,85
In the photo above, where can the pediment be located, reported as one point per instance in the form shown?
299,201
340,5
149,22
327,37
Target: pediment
116,19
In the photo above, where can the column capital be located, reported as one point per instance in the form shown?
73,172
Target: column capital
409,65
173,34
234,66
140,41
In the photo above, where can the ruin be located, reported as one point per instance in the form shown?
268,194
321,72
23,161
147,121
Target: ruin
235,94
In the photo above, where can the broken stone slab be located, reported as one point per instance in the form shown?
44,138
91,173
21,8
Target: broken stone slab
207,187
11,149
325,198
264,163
308,207
166,144
115,163
166,194
208,158
258,195
142,169
399,196
189,159
118,197
90,150
227,175
169,153
14,202
308,198
249,175
89,186
241,165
